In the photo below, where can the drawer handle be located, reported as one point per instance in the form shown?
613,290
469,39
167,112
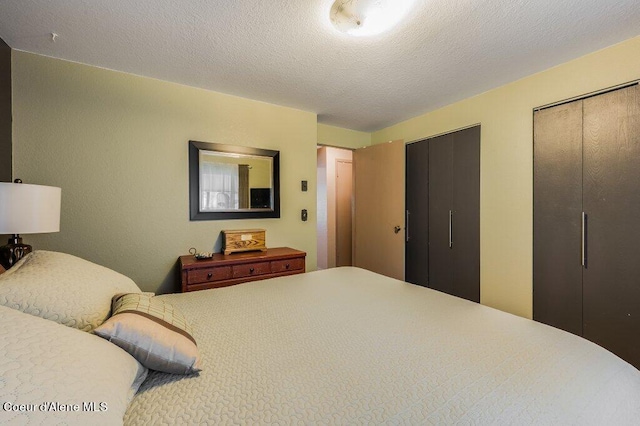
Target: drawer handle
286,266
209,275
251,270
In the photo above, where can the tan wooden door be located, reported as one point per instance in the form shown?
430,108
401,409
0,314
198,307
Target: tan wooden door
344,209
379,178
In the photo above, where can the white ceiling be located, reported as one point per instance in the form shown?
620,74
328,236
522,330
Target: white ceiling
286,52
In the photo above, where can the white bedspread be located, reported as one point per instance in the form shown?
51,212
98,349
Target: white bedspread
347,346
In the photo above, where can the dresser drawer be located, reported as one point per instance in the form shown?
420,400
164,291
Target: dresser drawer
287,265
225,270
204,275
251,269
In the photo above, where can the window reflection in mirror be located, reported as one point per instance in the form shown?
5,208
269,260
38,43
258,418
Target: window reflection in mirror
229,182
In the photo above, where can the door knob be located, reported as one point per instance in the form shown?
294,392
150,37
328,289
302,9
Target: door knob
396,229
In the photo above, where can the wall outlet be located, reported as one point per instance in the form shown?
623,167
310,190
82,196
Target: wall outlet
303,215
304,185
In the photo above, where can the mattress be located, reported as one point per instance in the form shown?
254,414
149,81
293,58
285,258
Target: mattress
347,346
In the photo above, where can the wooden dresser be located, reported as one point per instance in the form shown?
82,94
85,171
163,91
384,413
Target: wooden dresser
225,270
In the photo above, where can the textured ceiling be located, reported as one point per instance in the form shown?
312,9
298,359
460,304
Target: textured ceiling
286,52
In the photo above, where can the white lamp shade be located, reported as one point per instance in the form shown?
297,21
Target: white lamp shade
29,209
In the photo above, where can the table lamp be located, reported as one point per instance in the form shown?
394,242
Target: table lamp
26,209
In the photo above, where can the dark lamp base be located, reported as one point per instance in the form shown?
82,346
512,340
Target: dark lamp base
13,252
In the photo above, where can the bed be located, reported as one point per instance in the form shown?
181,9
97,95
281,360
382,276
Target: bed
348,346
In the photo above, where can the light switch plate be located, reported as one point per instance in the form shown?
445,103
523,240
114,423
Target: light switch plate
304,215
304,185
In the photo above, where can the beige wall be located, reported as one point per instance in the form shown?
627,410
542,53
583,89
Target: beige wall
259,174
327,158
340,137
117,145
507,163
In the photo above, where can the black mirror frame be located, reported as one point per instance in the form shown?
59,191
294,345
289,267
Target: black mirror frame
194,182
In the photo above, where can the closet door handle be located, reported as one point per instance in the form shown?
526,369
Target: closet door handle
583,240
406,227
450,229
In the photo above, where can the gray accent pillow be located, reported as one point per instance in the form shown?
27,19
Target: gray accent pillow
42,362
63,288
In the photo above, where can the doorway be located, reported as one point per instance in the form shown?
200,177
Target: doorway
344,212
335,207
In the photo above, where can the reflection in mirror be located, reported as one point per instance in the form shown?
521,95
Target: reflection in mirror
231,181
228,182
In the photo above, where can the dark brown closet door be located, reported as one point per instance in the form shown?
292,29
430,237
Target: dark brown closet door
440,205
465,218
557,217
417,215
612,204
6,147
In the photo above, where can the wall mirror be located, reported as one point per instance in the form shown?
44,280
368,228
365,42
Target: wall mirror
233,182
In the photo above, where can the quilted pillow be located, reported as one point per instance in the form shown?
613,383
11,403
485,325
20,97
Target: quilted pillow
63,288
154,332
45,366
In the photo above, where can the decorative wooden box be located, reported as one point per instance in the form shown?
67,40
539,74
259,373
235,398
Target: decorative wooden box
234,241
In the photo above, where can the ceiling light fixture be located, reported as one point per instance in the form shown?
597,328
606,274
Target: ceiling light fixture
367,17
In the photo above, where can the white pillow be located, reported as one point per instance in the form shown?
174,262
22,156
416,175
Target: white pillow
43,364
63,288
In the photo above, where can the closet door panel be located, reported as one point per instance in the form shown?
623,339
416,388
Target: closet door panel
557,217
417,218
612,203
466,214
440,199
